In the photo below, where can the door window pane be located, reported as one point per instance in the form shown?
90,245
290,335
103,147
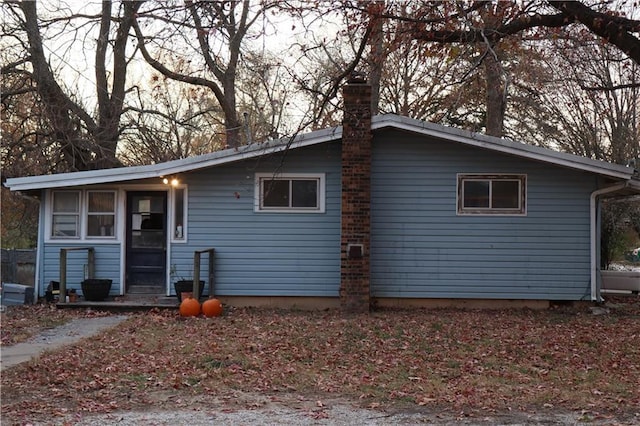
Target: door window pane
148,221
147,239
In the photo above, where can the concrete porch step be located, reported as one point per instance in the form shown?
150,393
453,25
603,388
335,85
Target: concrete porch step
129,302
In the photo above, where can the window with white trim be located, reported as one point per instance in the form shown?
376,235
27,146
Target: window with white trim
179,217
101,213
302,193
65,220
483,194
89,214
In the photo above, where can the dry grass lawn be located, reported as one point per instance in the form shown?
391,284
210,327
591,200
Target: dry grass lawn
565,358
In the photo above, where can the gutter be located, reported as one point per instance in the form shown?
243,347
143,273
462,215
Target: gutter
595,267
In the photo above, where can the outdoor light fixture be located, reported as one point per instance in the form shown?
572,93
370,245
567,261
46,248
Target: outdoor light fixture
174,181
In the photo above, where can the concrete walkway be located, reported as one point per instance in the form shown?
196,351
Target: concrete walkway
66,334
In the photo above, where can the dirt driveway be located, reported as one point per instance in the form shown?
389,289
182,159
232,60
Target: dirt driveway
334,413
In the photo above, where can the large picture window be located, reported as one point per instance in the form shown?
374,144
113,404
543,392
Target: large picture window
290,193
65,222
492,194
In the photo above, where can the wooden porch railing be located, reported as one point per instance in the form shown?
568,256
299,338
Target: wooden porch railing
196,272
91,266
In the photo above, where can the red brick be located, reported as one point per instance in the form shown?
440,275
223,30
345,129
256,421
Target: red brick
356,196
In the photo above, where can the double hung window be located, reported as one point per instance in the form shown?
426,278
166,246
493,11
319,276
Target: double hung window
101,213
75,214
65,221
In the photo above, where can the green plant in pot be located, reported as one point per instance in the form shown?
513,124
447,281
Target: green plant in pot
184,285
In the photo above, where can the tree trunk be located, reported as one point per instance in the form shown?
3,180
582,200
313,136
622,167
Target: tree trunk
110,105
64,129
231,123
377,55
496,93
85,143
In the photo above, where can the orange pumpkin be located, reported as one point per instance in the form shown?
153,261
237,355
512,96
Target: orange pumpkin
212,308
189,307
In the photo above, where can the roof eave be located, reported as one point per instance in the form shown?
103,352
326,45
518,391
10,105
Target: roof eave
503,145
106,176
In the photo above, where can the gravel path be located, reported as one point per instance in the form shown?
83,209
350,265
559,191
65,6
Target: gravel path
338,414
53,338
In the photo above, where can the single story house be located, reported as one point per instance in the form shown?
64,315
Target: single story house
382,210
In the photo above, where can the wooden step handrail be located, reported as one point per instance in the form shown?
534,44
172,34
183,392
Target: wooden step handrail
91,266
196,272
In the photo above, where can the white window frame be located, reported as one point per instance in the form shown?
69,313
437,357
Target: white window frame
87,213
82,214
173,226
260,178
77,214
491,211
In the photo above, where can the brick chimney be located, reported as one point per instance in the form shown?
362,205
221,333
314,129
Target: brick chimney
356,196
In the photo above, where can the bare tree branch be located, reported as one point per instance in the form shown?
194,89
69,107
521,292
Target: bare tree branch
614,30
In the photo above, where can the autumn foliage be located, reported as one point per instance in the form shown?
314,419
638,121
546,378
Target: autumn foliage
473,362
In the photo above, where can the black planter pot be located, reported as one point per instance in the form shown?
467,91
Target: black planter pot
95,289
186,286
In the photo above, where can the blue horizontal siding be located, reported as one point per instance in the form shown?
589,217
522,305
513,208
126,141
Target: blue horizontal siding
421,248
265,254
107,258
